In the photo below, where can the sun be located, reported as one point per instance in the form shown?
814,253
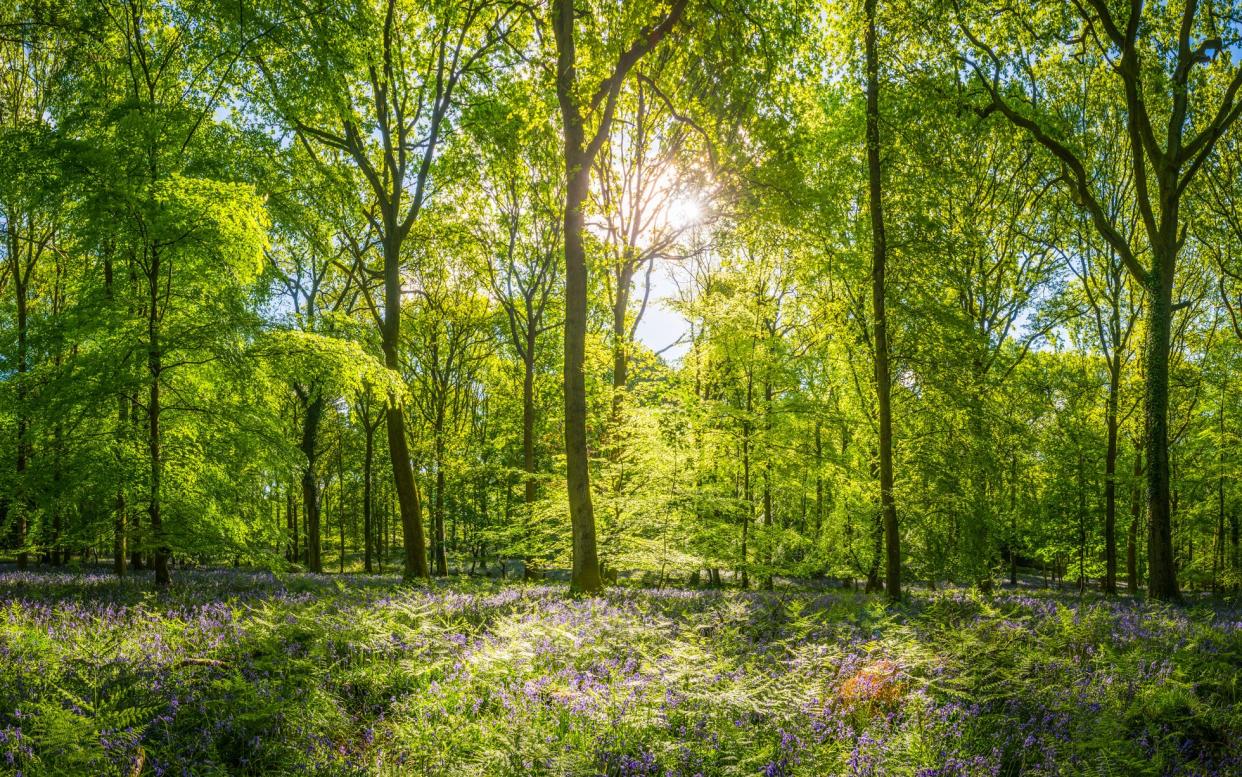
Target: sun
684,211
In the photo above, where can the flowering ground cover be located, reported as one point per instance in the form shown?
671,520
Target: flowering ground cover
247,673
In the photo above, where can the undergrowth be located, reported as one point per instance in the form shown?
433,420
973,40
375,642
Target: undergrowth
240,673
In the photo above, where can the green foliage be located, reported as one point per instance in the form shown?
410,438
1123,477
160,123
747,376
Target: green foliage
241,673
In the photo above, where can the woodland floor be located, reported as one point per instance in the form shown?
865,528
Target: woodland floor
248,673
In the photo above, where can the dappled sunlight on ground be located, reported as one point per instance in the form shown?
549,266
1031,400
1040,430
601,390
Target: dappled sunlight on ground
251,673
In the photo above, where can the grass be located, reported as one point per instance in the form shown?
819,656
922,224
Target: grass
247,673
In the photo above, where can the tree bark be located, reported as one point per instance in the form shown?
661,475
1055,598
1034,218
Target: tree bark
1161,572
528,425
883,375
310,483
1110,480
620,344
819,478
1136,514
585,574
579,155
398,447
368,459
154,440
747,495
438,557
22,502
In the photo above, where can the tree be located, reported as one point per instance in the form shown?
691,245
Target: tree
883,374
1194,89
580,150
387,106
520,233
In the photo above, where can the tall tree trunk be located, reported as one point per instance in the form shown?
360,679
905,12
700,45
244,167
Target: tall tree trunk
579,155
586,573
154,440
1136,514
1110,478
441,562
879,259
398,446
313,406
1013,520
368,459
340,500
747,496
22,502
528,423
1161,572
874,583
1218,552
620,343
58,456
1082,524
1237,557
291,526
120,551
119,543
768,513
819,478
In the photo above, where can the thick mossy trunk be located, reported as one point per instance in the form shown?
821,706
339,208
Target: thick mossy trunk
1161,572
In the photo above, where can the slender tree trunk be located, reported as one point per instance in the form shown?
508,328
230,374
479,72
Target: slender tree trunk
313,405
819,478
1218,552
528,423
1013,520
883,374
1136,514
874,583
119,545
620,345
441,562
58,456
291,538
154,446
154,407
769,517
1233,541
22,502
1110,479
368,459
340,500
1082,525
120,549
747,496
137,542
